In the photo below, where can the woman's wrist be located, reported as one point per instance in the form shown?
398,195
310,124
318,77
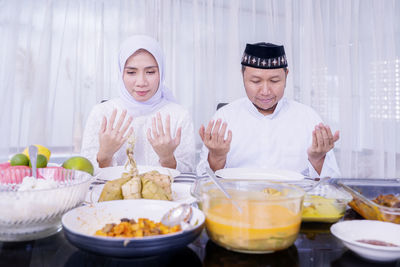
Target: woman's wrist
104,160
168,162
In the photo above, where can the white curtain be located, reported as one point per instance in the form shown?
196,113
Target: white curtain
58,59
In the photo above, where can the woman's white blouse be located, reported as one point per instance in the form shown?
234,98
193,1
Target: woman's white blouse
143,153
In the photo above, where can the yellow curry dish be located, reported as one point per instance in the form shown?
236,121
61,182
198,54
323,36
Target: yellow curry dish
259,227
321,209
268,219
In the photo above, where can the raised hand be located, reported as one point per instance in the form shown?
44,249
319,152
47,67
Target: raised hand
322,142
162,142
214,139
112,138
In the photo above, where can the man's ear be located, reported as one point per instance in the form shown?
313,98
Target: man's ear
287,72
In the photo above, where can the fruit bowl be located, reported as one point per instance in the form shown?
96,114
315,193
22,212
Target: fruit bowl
29,214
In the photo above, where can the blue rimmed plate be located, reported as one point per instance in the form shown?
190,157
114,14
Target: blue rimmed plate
81,223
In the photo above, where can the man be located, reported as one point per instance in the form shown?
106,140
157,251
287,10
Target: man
265,129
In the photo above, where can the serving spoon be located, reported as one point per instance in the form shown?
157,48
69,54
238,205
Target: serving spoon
215,180
318,183
178,215
33,150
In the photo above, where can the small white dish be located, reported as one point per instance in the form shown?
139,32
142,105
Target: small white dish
349,232
111,173
259,174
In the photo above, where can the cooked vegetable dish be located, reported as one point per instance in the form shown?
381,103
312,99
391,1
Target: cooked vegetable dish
131,228
381,212
390,201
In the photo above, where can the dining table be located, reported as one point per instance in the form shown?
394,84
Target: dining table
314,246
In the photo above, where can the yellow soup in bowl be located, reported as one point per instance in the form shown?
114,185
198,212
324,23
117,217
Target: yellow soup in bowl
260,228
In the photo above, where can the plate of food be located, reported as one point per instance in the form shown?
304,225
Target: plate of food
380,244
259,173
180,192
129,228
111,173
133,181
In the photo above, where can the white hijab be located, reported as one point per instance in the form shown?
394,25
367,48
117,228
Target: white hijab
162,96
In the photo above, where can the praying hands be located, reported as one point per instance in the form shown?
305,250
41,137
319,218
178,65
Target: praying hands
322,142
112,138
214,139
162,142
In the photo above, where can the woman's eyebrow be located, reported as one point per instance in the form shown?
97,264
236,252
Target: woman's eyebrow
134,68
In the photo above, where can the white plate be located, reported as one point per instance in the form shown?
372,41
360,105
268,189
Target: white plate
111,173
259,174
180,193
351,231
81,223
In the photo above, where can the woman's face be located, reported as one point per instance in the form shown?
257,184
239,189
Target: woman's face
141,75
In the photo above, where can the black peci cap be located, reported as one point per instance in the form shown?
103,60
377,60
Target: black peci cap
264,56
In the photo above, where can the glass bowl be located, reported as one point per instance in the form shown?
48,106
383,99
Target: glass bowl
270,218
323,202
36,213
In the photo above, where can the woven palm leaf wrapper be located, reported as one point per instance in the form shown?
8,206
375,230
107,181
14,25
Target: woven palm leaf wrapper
150,185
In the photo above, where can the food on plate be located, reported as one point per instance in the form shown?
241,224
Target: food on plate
79,163
112,189
318,208
162,180
132,189
142,186
41,150
381,211
131,228
150,185
19,160
377,243
152,190
389,200
260,225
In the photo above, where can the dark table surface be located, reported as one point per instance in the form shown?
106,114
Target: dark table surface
315,246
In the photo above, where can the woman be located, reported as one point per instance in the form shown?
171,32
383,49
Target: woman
163,130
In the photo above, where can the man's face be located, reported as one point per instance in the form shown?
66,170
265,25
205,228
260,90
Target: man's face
141,76
264,87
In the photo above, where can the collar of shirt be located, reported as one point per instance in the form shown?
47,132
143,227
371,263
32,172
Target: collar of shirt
253,110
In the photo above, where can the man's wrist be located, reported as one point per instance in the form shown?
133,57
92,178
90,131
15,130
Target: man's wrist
316,160
216,162
317,163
